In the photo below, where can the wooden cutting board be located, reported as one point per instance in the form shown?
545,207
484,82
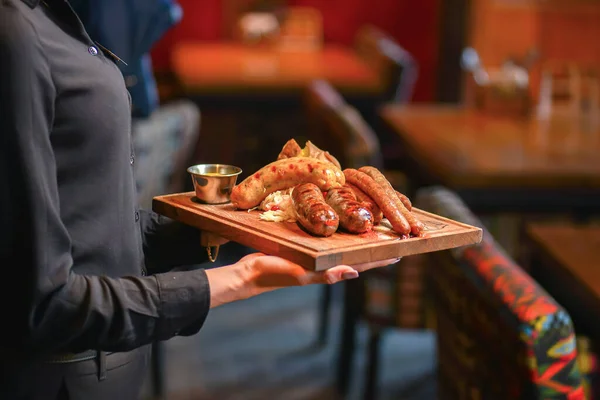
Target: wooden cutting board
288,240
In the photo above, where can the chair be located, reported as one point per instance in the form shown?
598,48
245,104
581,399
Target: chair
499,334
397,67
340,129
319,99
563,257
570,90
398,73
163,146
335,126
351,139
559,90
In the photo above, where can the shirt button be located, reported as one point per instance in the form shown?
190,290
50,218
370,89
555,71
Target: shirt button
93,50
137,216
131,159
131,80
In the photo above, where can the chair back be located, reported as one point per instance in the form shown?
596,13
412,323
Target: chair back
396,67
351,139
499,334
568,89
321,95
319,98
340,128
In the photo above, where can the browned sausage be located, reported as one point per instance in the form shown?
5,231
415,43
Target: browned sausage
354,216
416,226
284,174
390,210
405,200
368,202
313,213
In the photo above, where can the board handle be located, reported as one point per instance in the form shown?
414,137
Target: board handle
211,241
212,257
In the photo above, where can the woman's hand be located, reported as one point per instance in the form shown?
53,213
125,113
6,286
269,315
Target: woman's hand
258,273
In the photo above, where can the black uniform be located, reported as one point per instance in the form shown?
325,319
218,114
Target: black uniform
73,246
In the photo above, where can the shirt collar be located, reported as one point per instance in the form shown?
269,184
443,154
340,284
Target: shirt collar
31,3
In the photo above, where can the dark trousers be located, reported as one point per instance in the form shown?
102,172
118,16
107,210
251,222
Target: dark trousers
123,380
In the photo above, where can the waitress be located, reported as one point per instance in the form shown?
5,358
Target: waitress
85,273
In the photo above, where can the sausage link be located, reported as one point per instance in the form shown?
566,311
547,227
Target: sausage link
404,199
284,174
368,202
385,202
354,216
312,212
416,226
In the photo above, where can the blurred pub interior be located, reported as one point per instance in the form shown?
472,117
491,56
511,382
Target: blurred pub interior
483,111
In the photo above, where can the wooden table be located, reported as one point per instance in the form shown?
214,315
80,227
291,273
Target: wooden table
499,163
252,96
208,69
565,259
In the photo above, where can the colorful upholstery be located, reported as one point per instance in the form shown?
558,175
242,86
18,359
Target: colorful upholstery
500,335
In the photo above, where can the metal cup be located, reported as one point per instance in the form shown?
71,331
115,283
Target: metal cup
213,182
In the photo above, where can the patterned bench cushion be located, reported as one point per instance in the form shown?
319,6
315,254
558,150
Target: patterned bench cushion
500,335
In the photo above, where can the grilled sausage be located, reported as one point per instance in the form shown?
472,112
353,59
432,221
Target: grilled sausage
364,198
405,200
368,202
416,226
312,212
385,202
354,216
284,174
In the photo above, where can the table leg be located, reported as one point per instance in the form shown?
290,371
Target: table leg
158,370
372,373
353,295
324,316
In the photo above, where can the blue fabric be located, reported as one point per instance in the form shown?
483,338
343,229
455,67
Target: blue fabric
129,29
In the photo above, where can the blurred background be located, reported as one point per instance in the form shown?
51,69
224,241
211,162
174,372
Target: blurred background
484,111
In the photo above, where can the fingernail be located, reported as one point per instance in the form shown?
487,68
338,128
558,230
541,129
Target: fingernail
350,275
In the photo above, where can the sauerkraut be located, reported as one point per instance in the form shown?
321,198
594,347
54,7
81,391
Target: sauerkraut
278,207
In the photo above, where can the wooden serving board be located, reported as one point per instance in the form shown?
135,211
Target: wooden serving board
288,240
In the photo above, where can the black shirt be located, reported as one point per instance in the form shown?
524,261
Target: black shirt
73,246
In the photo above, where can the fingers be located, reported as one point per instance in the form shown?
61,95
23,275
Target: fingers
330,276
278,272
340,273
252,256
347,272
375,264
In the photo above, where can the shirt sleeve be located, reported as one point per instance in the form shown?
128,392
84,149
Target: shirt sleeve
53,308
168,243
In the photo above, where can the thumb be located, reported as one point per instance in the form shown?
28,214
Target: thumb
251,256
338,274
